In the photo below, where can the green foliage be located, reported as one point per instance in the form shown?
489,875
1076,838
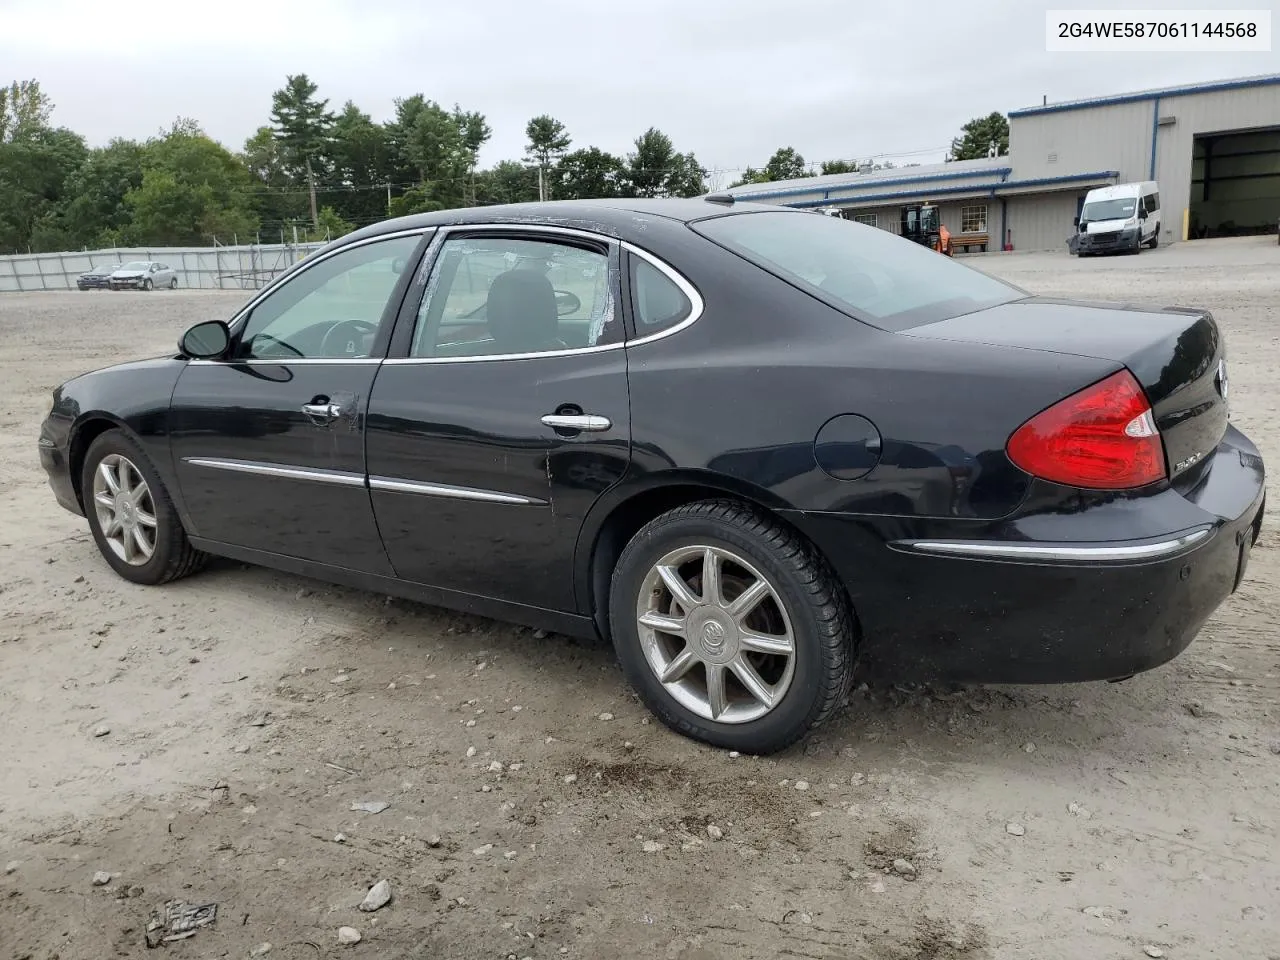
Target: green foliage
977,136
838,166
655,169
193,190
24,111
589,173
308,170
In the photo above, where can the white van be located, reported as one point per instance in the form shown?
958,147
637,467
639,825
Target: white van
1122,217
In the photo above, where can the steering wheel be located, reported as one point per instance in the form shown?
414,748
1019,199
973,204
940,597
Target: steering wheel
274,341
349,328
567,303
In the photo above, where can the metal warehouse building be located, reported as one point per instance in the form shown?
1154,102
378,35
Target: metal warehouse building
1213,147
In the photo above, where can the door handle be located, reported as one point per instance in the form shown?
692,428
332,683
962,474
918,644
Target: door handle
581,421
322,412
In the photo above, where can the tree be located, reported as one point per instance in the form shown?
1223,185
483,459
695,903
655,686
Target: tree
24,110
655,169
548,142
838,166
331,226
978,135
507,182
589,173
35,178
785,164
436,147
475,134
303,125
363,164
96,214
193,190
275,197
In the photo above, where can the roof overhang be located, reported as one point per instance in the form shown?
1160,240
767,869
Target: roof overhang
979,191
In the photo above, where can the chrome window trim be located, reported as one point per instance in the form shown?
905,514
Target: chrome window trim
290,274
259,361
1062,553
421,488
339,477
697,304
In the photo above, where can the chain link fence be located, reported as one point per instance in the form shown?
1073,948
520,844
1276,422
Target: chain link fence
246,267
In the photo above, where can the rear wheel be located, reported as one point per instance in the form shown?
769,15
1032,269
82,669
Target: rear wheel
730,627
133,520
1155,238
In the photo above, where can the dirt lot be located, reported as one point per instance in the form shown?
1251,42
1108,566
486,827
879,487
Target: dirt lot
534,811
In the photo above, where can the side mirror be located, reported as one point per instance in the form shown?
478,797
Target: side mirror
206,341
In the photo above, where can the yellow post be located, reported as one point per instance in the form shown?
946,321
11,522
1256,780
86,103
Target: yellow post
1186,222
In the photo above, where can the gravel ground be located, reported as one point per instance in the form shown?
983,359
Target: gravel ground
207,742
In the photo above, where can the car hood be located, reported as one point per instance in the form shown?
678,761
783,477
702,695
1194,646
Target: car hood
1108,226
129,274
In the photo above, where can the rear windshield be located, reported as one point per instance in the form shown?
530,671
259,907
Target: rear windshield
877,277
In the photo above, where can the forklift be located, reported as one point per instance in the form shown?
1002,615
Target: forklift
921,223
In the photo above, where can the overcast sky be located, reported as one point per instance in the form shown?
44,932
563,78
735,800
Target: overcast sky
730,80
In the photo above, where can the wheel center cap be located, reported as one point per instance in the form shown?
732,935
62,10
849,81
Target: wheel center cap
125,509
714,635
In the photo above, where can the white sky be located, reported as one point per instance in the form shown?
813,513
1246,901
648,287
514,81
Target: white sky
730,80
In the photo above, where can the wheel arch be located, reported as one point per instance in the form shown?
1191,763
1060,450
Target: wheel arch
84,431
620,513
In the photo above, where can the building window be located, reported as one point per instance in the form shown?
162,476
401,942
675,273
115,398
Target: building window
973,219
870,219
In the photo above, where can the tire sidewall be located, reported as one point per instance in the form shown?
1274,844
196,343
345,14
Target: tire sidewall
118,442
802,699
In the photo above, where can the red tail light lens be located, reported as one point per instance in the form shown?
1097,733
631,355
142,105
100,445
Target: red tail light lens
1102,438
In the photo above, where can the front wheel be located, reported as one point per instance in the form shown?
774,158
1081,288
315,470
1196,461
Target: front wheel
147,284
173,284
731,627
133,520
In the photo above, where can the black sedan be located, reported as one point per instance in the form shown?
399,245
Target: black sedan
97,278
750,445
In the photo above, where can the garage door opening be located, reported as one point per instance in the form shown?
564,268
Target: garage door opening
1235,183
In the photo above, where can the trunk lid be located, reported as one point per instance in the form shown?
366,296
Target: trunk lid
1177,354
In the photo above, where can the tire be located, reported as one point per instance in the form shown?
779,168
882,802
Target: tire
1155,238
803,602
172,556
147,284
173,284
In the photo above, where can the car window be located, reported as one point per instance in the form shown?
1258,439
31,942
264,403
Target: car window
657,301
332,309
877,277
492,296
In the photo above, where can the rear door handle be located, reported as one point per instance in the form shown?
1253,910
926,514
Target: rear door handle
580,421
322,412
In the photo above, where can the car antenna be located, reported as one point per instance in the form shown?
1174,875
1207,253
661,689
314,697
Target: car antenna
723,198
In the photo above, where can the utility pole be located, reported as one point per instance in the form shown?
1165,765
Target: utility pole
388,197
311,182
542,193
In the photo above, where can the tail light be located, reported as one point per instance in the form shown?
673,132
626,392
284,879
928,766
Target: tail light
1102,438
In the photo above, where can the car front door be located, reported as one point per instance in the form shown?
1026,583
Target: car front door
268,444
502,413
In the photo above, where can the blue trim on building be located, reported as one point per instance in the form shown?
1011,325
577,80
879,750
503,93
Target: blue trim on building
978,189
1214,86
1155,129
1001,172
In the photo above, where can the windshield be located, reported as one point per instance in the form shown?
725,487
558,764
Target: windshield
1120,208
881,279
136,265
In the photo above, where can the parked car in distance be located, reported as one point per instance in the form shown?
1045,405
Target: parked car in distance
97,278
1123,217
144,275
748,445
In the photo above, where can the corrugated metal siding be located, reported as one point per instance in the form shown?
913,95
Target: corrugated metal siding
1202,113
1042,221
1077,141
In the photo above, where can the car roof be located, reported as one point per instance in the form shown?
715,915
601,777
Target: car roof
625,219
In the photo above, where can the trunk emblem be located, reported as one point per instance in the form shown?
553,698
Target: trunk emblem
1220,381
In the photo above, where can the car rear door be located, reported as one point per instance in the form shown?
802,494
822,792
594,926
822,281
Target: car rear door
268,445
502,412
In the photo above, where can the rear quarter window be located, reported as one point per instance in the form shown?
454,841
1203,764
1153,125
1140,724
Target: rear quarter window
657,302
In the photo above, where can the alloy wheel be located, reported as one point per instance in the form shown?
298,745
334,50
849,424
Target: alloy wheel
125,509
716,634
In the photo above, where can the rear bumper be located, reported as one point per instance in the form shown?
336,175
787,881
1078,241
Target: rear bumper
1047,610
